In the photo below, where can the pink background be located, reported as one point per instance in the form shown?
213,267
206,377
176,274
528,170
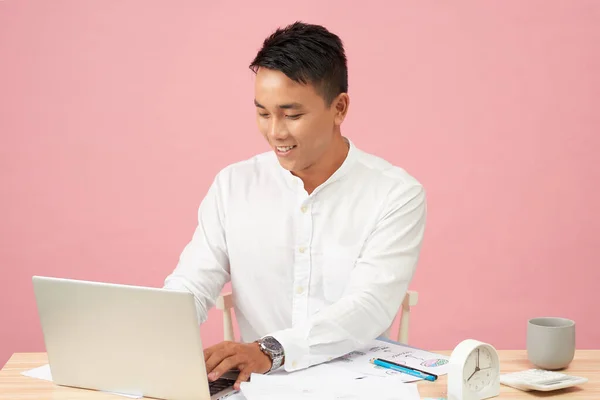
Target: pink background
116,115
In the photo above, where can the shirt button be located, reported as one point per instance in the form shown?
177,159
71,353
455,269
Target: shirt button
302,249
304,209
294,364
299,290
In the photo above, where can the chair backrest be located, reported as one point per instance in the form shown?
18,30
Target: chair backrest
225,304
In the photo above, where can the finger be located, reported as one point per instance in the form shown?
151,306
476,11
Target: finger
218,356
224,366
244,376
208,352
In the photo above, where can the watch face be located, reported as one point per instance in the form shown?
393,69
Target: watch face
480,370
272,345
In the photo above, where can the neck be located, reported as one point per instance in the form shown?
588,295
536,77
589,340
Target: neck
318,173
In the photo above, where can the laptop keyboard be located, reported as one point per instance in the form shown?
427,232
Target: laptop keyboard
220,384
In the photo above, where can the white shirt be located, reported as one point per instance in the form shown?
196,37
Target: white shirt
323,273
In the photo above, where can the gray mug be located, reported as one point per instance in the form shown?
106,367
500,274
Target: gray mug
550,342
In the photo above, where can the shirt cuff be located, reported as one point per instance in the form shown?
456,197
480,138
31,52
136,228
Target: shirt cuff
295,349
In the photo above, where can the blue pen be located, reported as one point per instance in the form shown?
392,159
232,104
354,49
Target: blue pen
404,369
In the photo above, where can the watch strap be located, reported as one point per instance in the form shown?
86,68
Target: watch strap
273,349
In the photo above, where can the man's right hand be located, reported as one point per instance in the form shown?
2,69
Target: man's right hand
248,358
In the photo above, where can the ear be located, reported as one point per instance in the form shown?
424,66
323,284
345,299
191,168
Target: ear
340,106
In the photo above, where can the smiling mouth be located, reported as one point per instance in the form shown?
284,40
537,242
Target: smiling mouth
283,149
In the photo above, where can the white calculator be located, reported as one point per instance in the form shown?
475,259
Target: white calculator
539,379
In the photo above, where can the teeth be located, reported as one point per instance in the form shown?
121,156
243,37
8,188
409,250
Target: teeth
285,148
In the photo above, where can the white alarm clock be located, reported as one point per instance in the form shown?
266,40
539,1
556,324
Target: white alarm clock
474,371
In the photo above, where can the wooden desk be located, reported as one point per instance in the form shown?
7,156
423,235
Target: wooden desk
15,386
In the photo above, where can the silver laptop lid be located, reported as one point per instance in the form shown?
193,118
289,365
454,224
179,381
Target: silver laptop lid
121,338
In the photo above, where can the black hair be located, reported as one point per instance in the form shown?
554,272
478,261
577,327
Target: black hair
307,54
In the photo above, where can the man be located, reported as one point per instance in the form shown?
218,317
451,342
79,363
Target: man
319,239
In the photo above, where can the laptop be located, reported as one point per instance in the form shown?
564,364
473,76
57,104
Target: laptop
126,339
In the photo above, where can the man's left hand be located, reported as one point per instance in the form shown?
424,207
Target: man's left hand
246,357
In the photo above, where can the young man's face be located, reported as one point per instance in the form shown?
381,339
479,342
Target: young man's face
294,119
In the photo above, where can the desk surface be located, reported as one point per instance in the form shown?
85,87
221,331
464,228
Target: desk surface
15,386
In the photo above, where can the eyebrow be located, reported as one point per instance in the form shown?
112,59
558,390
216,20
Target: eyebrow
292,106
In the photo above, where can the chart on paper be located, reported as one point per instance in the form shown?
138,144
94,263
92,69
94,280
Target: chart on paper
359,361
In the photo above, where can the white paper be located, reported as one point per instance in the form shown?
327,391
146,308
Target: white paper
44,373
321,371
359,361
291,387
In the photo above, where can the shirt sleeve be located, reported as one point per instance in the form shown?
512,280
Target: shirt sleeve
376,289
203,267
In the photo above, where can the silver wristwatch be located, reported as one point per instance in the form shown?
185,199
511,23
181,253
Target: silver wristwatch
271,347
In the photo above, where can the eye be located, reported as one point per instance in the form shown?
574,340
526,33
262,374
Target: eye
263,115
296,116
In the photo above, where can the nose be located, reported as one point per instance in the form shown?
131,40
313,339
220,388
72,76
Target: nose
277,130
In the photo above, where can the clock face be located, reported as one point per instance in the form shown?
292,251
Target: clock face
480,370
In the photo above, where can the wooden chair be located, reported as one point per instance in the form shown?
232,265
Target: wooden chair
225,304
